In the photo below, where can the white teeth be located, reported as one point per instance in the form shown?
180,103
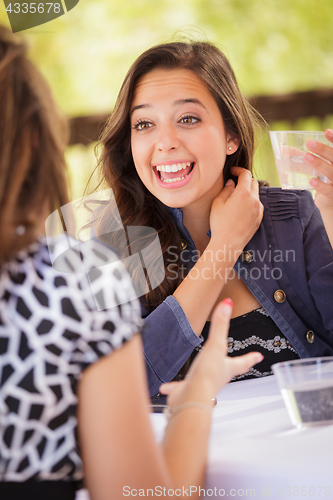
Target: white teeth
175,167
173,180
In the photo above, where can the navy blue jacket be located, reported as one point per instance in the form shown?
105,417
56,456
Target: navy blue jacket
287,265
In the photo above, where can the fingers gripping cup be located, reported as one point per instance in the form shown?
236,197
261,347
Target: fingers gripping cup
289,150
307,389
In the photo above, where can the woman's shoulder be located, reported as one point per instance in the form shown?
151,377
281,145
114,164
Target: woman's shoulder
95,265
279,194
63,255
288,203
78,289
58,262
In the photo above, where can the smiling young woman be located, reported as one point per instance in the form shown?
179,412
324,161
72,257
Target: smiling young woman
177,152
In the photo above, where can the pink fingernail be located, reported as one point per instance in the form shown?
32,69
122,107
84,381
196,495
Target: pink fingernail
314,182
311,144
226,307
309,157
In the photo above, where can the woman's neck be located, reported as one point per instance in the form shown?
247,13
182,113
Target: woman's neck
196,221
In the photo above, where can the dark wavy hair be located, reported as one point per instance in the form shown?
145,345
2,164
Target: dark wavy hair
137,206
32,144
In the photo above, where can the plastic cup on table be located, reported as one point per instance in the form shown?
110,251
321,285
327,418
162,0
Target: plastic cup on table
307,389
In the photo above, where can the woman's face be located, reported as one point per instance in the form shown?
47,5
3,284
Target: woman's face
179,143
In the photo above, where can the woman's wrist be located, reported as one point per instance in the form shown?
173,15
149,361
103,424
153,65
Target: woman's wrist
221,253
188,406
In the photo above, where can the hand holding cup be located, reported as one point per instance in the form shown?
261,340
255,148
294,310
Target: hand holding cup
320,156
296,167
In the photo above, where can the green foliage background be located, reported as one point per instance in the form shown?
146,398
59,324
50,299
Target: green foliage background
275,46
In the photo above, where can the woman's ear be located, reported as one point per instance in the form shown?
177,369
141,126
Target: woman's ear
232,144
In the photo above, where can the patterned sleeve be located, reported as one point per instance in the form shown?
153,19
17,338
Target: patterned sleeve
101,306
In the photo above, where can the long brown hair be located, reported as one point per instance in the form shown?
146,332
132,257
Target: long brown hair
136,205
32,142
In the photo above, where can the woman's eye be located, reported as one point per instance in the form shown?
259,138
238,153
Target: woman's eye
142,125
189,119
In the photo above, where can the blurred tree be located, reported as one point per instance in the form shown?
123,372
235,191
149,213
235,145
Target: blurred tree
275,46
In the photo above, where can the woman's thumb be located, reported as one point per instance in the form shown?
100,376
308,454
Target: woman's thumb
227,190
242,364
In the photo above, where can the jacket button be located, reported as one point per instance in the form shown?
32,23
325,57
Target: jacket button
279,296
183,244
310,336
246,257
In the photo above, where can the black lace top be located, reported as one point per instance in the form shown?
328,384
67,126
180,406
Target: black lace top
256,331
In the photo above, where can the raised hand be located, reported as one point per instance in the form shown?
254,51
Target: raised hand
212,368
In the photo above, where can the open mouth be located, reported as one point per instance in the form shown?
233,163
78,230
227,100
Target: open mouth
176,172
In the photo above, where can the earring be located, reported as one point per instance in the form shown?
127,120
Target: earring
230,148
20,230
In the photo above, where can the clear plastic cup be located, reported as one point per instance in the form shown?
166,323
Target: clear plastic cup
307,389
289,150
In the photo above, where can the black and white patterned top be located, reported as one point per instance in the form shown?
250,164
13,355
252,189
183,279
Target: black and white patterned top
53,326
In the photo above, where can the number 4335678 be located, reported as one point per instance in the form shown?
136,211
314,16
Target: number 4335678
304,491
34,8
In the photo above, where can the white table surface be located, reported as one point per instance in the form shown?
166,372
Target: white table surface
255,452
254,446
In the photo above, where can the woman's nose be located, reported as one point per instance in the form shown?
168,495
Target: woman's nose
167,138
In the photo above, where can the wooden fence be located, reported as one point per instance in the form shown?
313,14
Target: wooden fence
289,107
